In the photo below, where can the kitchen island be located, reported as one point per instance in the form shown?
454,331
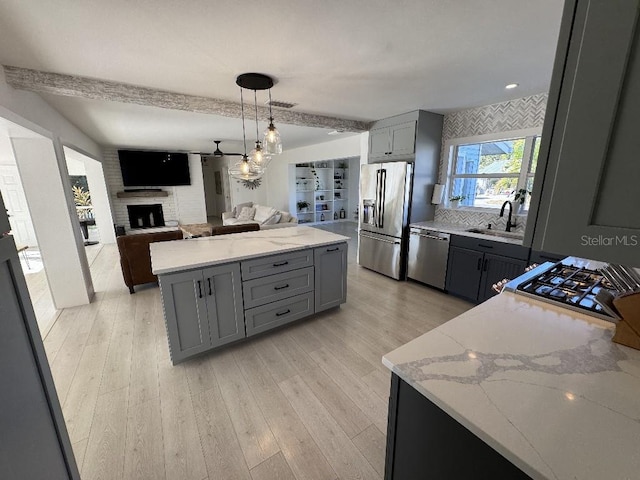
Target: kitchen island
222,289
515,388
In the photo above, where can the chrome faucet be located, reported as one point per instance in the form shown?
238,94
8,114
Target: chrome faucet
509,223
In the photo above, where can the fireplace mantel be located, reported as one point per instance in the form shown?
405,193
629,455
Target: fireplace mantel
150,193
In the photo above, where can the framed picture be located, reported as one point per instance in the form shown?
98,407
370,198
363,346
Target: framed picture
218,180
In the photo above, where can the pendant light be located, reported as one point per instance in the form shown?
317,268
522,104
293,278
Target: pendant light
272,142
245,169
258,155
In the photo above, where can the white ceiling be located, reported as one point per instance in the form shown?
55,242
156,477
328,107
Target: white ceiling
356,59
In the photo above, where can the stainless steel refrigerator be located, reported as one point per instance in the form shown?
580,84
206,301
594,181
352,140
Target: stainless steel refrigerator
385,193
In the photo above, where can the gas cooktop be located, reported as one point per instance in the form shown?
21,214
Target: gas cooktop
573,287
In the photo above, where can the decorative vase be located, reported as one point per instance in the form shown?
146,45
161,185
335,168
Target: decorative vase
455,203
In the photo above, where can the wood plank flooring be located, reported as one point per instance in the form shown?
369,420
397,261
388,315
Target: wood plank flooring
306,402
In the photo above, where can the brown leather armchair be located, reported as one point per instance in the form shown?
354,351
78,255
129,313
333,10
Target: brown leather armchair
135,258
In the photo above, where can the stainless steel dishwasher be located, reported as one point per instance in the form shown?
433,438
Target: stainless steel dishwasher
428,253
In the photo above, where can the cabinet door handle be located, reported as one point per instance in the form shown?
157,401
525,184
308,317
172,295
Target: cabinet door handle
283,313
332,249
281,287
209,282
484,245
484,267
281,264
199,289
479,264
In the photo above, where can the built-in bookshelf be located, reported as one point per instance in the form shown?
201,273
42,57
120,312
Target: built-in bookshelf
322,191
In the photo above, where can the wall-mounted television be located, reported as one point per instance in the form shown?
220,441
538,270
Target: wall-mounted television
154,169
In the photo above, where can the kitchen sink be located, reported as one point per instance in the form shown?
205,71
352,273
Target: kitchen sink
496,233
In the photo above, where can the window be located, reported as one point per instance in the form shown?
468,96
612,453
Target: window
488,173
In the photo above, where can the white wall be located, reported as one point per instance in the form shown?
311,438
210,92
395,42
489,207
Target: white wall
59,238
190,202
277,176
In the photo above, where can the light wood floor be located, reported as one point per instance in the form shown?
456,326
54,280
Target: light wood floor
308,401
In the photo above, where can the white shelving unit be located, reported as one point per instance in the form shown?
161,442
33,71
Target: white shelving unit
324,186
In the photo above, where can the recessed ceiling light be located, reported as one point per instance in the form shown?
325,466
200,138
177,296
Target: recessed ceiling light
511,85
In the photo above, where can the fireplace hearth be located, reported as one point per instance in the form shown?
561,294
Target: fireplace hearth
145,216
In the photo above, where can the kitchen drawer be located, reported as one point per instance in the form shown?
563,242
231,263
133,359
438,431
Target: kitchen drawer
276,287
266,317
496,248
261,267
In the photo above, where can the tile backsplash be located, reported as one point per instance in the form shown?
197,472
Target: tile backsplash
517,114
478,219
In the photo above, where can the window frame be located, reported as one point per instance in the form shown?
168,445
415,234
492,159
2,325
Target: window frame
451,145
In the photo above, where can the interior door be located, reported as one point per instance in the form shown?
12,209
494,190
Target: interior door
35,443
16,204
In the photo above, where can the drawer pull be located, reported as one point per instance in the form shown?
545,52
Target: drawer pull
209,282
484,245
281,264
332,249
279,314
199,289
282,287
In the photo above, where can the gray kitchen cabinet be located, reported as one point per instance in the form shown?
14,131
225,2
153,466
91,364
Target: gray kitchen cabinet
35,444
394,141
583,201
474,265
464,272
496,268
203,309
330,276
274,314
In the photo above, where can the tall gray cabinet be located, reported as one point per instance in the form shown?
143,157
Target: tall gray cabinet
584,200
34,443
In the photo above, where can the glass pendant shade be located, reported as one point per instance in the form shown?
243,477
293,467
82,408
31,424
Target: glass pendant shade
259,156
246,169
272,142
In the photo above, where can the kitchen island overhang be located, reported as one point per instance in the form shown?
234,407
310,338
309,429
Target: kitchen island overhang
222,289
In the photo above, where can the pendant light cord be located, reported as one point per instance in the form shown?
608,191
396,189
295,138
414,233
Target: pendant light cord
270,114
255,104
244,136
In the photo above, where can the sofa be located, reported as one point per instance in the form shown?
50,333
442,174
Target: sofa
135,258
266,217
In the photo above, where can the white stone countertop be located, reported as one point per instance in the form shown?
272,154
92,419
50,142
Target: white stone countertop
542,385
178,255
459,229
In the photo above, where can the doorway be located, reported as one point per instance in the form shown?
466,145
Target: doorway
216,189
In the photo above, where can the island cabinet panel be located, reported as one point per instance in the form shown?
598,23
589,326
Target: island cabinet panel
331,276
203,309
261,267
275,314
496,268
276,287
423,441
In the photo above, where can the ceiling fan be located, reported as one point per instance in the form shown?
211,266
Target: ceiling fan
217,153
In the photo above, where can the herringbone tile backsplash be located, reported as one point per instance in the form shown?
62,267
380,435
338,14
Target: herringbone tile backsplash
518,114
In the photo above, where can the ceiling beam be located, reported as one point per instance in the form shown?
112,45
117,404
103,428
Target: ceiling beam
84,87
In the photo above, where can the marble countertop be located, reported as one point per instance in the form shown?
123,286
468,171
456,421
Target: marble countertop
542,385
178,255
458,229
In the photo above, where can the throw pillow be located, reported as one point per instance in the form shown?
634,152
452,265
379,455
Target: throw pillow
246,214
272,220
263,213
286,217
238,208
